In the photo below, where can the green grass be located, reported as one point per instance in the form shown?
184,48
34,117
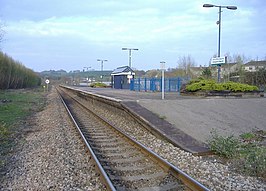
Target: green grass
20,105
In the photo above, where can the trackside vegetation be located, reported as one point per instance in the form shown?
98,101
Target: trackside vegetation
246,153
211,85
13,75
15,107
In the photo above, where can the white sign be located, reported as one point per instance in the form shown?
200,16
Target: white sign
218,61
47,81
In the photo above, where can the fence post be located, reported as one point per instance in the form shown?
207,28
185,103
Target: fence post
139,84
152,84
178,85
145,84
169,84
132,84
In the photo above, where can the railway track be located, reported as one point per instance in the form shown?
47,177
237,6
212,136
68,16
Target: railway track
123,163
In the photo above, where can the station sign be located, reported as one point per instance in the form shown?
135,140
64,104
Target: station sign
218,61
47,81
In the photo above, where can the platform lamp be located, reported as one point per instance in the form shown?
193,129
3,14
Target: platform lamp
162,68
219,23
100,60
129,54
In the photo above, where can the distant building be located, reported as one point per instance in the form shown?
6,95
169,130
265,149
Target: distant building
254,66
121,77
226,69
197,71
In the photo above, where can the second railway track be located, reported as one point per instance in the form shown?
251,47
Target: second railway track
125,163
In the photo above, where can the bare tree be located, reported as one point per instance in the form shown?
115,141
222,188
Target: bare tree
185,62
1,33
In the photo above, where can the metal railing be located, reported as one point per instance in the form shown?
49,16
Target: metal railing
155,84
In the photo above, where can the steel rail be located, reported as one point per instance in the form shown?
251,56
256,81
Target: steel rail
104,176
191,183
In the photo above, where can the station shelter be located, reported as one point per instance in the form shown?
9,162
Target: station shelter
121,77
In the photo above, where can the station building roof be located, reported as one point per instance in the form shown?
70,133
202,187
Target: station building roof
123,70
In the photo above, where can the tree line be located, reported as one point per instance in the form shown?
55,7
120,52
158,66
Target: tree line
14,75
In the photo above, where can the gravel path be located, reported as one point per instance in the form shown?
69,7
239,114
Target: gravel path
52,156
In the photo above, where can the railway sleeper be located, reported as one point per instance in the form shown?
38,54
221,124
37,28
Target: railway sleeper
171,186
115,156
129,168
148,180
117,144
133,171
133,159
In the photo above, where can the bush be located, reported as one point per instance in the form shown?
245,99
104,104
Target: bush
223,146
98,85
211,85
246,154
254,162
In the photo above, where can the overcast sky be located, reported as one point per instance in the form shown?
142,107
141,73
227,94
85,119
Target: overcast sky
71,35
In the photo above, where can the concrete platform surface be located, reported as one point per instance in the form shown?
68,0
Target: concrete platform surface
198,116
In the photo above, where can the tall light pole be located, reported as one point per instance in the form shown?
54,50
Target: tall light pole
86,68
162,67
88,79
219,35
100,60
129,55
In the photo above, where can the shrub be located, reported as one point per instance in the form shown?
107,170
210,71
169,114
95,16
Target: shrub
246,157
248,136
195,80
223,146
211,85
200,85
254,162
98,85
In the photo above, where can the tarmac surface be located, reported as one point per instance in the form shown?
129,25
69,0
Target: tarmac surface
198,116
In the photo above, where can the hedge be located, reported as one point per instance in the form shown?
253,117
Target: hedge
211,85
13,75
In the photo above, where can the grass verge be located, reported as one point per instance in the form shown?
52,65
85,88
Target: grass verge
15,107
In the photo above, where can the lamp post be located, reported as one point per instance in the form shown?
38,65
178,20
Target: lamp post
219,35
88,79
162,67
129,55
86,68
100,60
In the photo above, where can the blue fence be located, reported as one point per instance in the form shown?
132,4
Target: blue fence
155,84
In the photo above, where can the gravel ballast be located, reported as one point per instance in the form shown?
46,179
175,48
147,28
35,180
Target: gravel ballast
52,156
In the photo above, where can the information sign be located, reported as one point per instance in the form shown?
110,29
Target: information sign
218,61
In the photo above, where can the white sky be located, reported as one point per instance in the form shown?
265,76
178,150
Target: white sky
70,35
